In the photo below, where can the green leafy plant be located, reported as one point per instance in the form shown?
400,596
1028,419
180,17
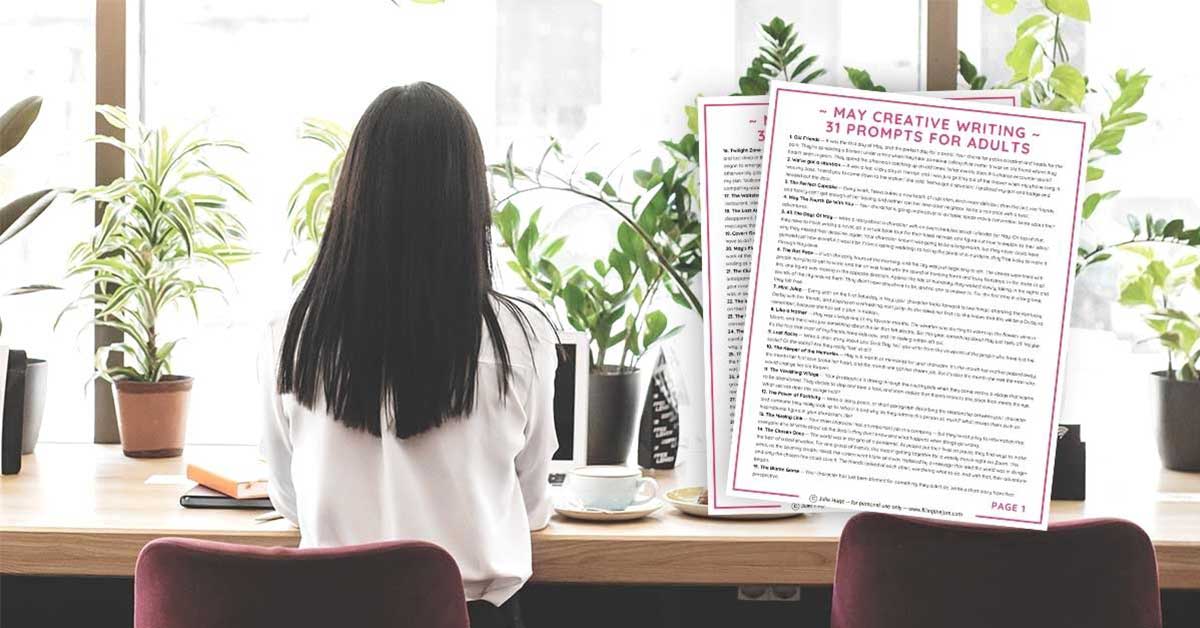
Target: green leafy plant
657,248
159,226
658,239
310,203
778,58
1156,290
861,79
1041,66
1143,230
20,213
659,212
969,73
610,301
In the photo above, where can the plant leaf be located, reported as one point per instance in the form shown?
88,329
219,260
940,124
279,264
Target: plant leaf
15,122
1021,56
31,288
19,214
1069,83
1001,7
1093,200
861,79
1077,9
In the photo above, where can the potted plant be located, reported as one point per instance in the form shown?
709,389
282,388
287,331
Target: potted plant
160,226
658,249
15,217
1158,291
612,302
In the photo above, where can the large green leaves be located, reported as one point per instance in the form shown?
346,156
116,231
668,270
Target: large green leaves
534,252
1157,290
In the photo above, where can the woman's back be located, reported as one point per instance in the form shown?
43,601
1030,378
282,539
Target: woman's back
476,485
408,399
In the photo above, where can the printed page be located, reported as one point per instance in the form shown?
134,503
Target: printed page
731,134
907,306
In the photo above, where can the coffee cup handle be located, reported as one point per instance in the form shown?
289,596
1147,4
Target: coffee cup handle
638,500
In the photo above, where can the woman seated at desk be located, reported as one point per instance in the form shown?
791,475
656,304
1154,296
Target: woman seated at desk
406,398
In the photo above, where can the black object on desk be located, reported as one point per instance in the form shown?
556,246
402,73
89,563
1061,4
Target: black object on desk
658,435
12,410
1070,465
204,497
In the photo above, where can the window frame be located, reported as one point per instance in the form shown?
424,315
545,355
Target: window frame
115,21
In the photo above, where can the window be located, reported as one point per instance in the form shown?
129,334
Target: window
607,78
611,74
1150,174
49,51
252,71
1107,366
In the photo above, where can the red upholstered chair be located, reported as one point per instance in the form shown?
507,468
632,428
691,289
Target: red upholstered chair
181,583
895,572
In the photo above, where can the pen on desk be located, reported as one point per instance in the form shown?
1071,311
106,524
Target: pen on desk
267,516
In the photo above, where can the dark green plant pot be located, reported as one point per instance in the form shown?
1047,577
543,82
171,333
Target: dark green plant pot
614,402
1178,412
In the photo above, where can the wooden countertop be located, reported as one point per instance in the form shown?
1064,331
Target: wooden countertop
87,510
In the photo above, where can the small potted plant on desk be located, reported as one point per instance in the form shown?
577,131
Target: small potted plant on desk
1158,291
15,216
160,226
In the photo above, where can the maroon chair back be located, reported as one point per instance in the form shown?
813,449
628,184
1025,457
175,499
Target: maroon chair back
896,572
180,583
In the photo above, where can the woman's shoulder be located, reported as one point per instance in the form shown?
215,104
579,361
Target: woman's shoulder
528,332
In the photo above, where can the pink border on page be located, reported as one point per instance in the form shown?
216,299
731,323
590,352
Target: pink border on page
1062,322
712,412
715,490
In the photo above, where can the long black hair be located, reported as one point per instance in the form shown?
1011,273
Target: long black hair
390,319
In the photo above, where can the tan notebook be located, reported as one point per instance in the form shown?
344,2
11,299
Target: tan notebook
239,480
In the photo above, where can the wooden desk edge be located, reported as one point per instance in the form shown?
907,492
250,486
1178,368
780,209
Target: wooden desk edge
558,559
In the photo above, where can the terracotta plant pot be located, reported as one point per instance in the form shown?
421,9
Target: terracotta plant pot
152,416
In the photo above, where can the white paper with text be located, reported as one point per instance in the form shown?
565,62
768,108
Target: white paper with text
731,130
907,305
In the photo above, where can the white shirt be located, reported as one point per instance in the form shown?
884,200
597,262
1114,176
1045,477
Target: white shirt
476,486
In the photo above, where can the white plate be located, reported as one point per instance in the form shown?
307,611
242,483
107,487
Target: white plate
685,499
575,511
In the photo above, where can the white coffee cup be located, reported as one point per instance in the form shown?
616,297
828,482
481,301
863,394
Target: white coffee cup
609,487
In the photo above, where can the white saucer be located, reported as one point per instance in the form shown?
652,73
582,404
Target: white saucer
576,511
